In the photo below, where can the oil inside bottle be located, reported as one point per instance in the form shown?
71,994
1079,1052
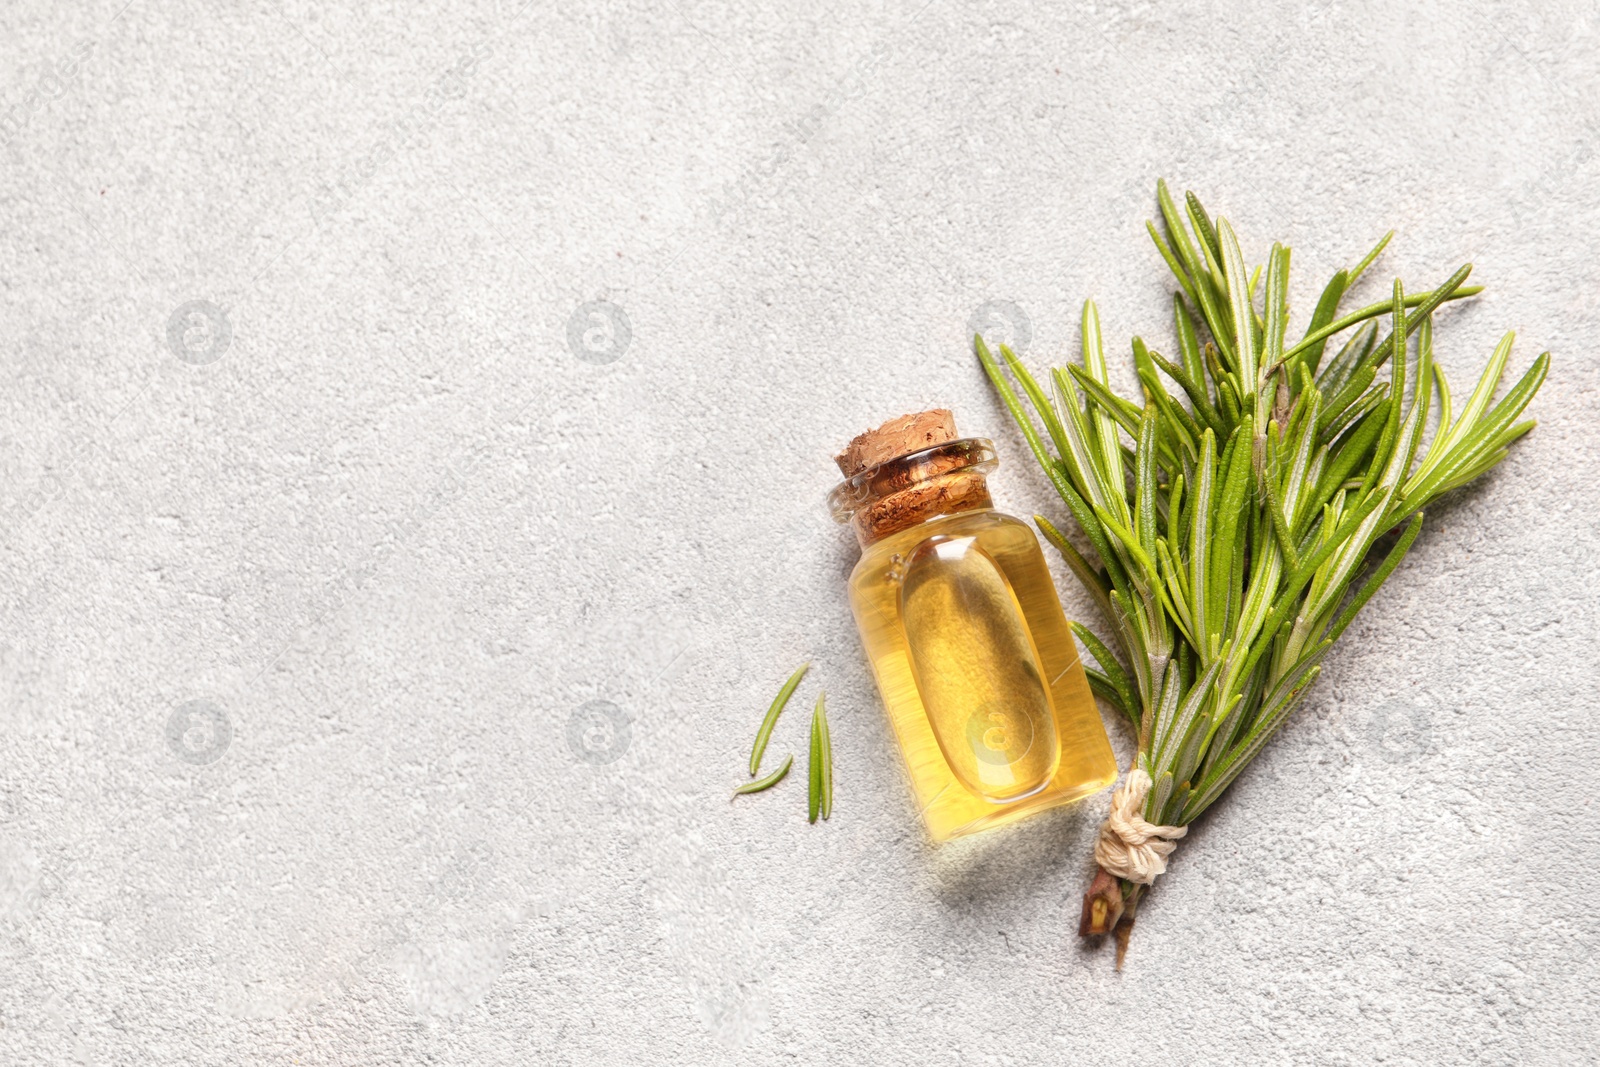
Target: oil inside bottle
977,671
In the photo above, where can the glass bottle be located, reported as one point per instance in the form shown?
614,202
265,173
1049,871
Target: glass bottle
961,622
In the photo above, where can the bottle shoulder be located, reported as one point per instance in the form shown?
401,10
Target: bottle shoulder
985,525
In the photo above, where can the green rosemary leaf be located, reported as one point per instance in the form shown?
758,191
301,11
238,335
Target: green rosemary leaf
1489,380
1482,436
1228,400
1244,341
1175,589
825,743
1327,306
1280,526
1106,690
1100,421
1224,731
1009,398
1093,580
1145,512
1130,541
765,733
1203,225
765,783
1372,311
1124,412
1084,458
1179,233
1226,534
1115,676
1178,424
1200,544
1092,529
1330,430
814,783
1345,399
1421,400
1372,255
1307,465
1277,301
1425,307
1353,450
1189,352
1176,728
1196,393
1379,576
1053,469
1451,434
1443,388
1211,306
1167,254
1478,467
1336,375
1175,528
1041,403
1390,437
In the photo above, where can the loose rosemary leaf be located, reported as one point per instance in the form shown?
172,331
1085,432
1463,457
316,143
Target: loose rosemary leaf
814,768
765,733
768,782
825,743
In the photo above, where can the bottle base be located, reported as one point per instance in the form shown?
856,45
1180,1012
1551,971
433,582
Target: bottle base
1003,815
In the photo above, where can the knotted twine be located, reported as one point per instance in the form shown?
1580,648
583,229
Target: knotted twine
1130,847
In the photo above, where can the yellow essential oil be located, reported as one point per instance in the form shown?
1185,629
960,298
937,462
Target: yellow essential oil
967,640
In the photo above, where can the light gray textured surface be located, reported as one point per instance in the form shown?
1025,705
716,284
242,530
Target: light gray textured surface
399,537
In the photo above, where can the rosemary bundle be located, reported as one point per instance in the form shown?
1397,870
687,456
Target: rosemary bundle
1239,519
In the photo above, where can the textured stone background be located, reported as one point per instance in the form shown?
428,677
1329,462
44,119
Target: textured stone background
386,617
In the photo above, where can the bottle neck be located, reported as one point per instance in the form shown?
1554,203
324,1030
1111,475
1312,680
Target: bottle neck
946,479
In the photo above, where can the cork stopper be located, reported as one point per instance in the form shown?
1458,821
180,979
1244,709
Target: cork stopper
881,496
895,438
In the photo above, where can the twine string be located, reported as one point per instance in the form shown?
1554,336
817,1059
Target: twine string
1130,847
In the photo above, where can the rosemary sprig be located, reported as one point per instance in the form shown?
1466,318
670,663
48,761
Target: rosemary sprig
778,702
1228,521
